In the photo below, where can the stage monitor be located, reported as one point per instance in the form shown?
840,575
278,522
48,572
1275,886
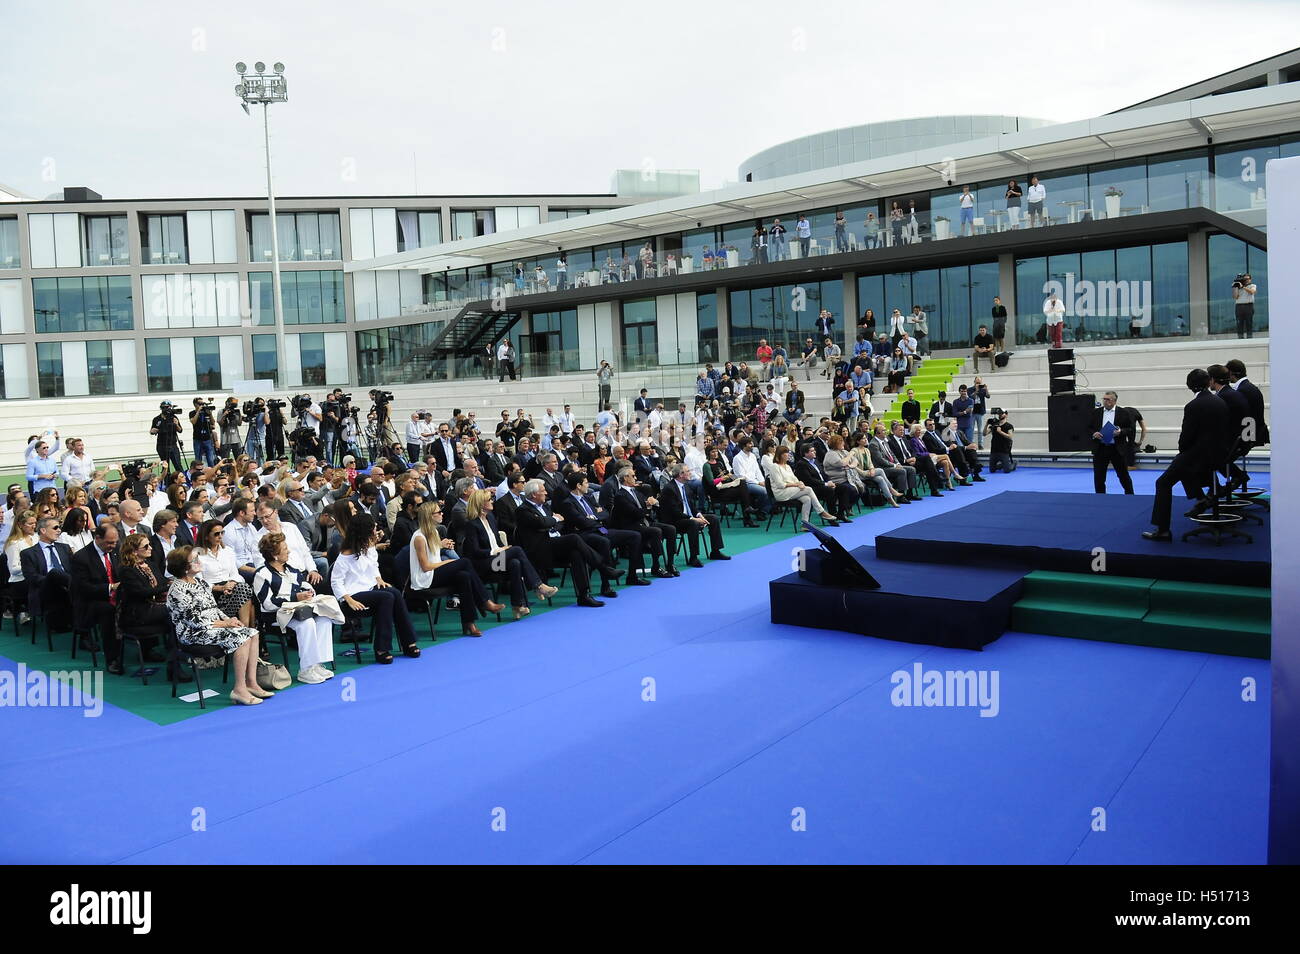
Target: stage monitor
840,567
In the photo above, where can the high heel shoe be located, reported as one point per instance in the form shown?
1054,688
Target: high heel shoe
470,630
251,701
545,591
383,658
492,607
260,693
411,652
521,612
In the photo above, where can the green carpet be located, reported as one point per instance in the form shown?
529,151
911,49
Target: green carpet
154,702
1227,620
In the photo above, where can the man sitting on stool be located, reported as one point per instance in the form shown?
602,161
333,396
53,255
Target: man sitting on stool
1200,450
1112,430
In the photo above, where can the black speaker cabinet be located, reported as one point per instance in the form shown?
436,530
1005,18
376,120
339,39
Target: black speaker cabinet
1067,421
1060,370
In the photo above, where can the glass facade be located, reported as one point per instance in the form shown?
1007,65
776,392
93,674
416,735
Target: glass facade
785,314
640,337
308,298
104,240
99,303
1140,291
164,240
552,345
1228,258
303,236
265,362
49,368
706,320
11,255
955,300
398,355
1240,174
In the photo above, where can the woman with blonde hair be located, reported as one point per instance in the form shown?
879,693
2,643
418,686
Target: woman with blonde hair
21,536
785,486
434,563
486,548
841,464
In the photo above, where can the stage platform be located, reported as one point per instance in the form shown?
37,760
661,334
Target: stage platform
958,607
1062,531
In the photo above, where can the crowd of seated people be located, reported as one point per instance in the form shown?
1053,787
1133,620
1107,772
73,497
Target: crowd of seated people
487,517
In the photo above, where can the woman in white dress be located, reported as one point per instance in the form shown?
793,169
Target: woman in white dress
787,487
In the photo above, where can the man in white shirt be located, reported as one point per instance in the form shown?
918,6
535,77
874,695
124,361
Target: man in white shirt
312,417
549,420
1036,196
566,421
907,344
242,536
413,437
78,466
745,466
1054,312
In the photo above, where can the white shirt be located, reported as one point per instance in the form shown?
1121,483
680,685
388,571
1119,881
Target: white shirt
503,351
219,567
354,573
745,466
300,557
1054,311
413,432
967,200
75,543
242,539
566,423
77,470
549,421
312,417
1037,193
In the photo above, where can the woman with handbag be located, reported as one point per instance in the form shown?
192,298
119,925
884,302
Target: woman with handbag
200,622
356,581
434,563
483,546
722,485
276,583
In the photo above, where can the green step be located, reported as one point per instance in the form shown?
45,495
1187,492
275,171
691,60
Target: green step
1224,605
1088,589
1195,633
1058,618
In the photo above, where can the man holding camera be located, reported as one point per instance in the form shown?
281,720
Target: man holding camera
331,423
203,428
166,428
229,421
274,437
257,418
1243,295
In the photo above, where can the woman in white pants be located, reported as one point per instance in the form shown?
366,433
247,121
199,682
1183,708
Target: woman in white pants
786,487
276,583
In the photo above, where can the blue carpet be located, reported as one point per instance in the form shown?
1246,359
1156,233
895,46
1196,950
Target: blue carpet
543,725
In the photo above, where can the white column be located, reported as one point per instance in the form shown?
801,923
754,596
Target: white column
587,337
666,325
293,361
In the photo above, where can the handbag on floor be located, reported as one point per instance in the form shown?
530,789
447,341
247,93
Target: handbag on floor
271,677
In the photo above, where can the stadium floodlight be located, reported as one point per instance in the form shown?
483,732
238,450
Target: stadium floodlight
265,89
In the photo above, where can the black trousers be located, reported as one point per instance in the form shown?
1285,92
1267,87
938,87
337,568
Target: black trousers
274,441
460,576
1246,320
629,541
518,572
170,455
926,466
105,616
1180,470
507,370
1109,455
840,498
390,613
693,530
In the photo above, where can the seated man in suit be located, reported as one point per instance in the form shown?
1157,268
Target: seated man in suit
539,533
550,475
45,569
94,592
585,516
882,457
1200,450
840,497
962,451
676,510
1257,428
1239,426
631,511
905,453
508,503
1113,429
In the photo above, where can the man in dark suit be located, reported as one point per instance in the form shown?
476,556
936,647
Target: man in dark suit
911,410
94,592
840,497
1257,427
551,477
507,504
541,536
583,515
445,452
643,406
1113,429
1200,450
187,531
631,511
494,464
941,410
45,569
906,454
676,510
296,510
1239,424
882,456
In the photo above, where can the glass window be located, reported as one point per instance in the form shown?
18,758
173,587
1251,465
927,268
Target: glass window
49,368
640,335
121,317
264,359
1228,258
207,363
1133,282
1239,175
463,226
308,226
430,225
158,363
304,236
311,351
164,240
1031,279
11,255
1179,181
706,319
398,355
1066,196
105,240
1127,178
307,297
72,305
99,367
98,303
1170,290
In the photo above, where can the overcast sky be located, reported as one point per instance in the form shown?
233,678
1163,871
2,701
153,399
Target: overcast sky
137,99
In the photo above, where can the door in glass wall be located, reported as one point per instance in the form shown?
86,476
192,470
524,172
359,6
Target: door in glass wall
49,368
311,352
99,367
207,363
1179,181
545,353
1228,258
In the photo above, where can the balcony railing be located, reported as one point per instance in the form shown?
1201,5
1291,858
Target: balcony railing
312,253
158,256
102,257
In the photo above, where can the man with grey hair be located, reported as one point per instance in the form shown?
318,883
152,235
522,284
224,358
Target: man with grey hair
45,570
538,532
675,510
1112,428
550,475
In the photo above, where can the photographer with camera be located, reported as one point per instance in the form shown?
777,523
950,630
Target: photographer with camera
166,428
229,421
1243,294
203,429
275,428
257,418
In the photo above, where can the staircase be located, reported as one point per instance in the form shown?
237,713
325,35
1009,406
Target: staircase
933,375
